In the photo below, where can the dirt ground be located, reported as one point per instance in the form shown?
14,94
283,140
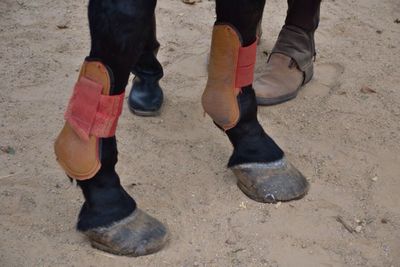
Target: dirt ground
344,139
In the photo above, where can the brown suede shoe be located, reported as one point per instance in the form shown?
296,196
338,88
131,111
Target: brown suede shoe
289,67
137,235
280,82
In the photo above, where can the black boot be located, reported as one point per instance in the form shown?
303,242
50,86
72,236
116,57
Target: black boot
146,96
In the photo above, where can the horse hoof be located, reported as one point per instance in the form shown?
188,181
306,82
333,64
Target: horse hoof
137,235
271,182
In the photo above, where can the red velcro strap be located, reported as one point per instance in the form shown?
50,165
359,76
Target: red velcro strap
91,113
105,123
245,66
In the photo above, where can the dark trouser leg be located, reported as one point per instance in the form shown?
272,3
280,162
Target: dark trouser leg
303,14
263,172
290,64
146,96
109,216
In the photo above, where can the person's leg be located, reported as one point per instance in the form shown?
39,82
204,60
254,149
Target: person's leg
86,147
290,64
303,14
263,172
146,96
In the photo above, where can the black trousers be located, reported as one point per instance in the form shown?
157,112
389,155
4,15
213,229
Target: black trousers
303,14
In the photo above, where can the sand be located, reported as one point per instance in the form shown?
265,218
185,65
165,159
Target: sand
346,141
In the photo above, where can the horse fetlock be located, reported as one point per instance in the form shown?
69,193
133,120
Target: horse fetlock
251,143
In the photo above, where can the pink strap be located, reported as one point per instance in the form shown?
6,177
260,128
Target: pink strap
91,113
245,66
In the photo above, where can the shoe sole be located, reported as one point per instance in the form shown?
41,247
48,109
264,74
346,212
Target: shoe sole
262,101
143,113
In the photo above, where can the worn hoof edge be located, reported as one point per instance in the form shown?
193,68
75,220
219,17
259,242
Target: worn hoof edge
271,182
136,235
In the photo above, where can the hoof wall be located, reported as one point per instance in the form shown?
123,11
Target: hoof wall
137,235
271,182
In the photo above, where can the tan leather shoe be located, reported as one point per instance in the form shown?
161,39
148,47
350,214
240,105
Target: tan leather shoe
289,67
280,82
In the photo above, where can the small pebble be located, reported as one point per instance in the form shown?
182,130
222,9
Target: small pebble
358,229
374,178
230,242
277,205
7,150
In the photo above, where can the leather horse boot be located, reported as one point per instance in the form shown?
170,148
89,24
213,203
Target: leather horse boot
87,151
290,64
146,96
263,173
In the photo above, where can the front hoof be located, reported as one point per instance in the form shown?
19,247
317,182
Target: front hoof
137,235
271,182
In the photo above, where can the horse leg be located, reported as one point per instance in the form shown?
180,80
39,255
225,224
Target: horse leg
146,96
86,147
290,64
263,173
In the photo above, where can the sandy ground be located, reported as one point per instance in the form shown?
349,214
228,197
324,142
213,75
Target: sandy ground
345,141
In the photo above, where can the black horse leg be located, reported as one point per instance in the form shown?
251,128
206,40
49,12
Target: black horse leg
251,143
109,216
146,96
262,170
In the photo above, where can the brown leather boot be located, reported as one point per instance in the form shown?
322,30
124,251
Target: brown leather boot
289,67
